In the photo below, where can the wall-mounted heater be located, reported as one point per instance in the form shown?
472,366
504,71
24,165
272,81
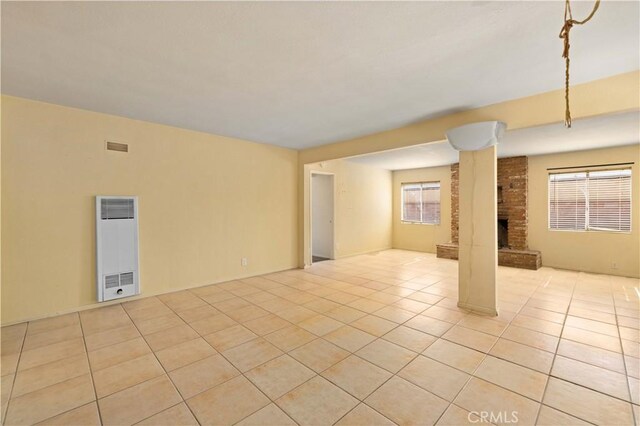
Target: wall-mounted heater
117,247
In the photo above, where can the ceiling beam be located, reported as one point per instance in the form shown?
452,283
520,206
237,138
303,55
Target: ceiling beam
605,96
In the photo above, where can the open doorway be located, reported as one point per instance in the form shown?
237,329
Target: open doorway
322,220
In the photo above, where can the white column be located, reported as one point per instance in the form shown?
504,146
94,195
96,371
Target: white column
478,216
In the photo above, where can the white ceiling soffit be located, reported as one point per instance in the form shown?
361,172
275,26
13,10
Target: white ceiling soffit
301,74
589,133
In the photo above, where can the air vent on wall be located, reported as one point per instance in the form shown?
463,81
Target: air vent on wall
126,278
117,247
115,146
116,208
111,281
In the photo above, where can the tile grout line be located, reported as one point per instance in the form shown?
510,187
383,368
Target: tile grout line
557,344
472,374
63,381
362,401
319,374
93,384
596,366
509,323
624,361
65,411
166,373
222,355
395,375
555,354
15,376
162,411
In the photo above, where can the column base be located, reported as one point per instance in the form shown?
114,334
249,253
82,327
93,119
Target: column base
481,309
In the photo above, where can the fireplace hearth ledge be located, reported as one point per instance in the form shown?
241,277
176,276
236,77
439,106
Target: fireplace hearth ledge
524,259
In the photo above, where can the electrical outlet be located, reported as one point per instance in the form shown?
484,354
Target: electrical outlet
614,265
244,261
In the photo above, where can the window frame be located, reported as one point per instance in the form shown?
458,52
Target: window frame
420,222
587,228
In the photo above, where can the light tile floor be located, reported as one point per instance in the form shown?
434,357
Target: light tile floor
372,339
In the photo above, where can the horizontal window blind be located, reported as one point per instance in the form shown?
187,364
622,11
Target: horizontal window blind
567,200
610,200
411,199
591,200
421,202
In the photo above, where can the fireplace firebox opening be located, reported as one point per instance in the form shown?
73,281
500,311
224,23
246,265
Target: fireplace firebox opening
503,233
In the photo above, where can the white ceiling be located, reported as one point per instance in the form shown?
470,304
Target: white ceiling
598,132
300,74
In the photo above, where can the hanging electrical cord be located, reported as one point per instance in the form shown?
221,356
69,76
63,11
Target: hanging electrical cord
569,22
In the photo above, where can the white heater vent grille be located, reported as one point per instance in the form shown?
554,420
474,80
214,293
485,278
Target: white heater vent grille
117,247
117,208
111,281
126,278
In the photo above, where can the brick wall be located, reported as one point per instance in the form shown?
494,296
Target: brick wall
512,179
512,203
455,204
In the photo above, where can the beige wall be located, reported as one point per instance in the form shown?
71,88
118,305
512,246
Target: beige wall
584,251
205,201
362,207
419,237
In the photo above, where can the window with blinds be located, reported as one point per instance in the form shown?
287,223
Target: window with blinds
421,202
590,200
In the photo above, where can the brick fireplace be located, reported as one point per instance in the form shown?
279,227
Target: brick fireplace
512,216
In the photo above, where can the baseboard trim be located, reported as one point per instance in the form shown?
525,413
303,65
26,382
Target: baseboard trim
344,256
137,297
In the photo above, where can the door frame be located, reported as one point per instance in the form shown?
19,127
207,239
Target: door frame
333,213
